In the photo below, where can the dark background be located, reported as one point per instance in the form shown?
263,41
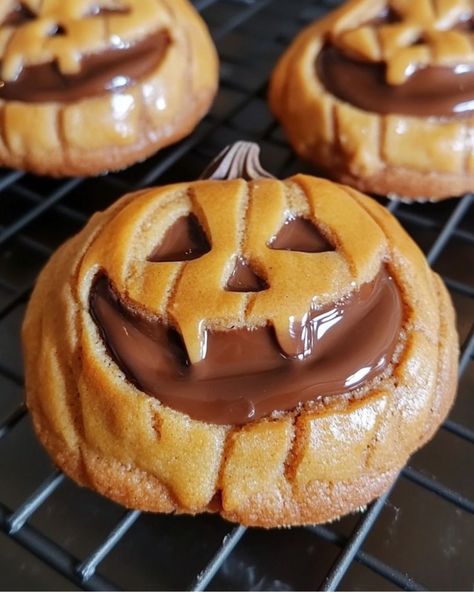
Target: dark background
53,534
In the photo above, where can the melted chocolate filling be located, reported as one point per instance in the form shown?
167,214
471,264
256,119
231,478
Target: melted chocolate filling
19,16
429,91
108,71
183,241
245,279
300,234
245,374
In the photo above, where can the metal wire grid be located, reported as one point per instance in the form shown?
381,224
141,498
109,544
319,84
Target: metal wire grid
240,96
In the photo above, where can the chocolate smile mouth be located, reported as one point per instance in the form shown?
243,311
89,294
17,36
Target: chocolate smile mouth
111,70
430,91
244,373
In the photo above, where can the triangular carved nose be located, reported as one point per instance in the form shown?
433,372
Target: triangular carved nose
245,279
300,234
183,241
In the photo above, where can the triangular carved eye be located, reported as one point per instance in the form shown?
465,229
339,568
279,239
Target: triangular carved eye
20,15
245,279
183,241
300,234
391,16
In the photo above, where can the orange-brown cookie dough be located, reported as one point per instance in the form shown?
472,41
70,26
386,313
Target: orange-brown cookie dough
89,86
380,94
270,350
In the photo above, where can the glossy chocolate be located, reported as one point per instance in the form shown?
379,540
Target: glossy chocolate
246,374
300,234
20,15
183,241
429,91
108,71
245,279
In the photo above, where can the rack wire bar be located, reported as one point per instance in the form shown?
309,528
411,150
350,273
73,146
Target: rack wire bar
419,220
84,573
15,301
11,375
16,520
448,229
244,15
10,422
51,553
31,243
60,208
439,489
228,545
10,178
41,208
87,568
388,572
202,4
354,543
393,205
467,352
459,430
459,287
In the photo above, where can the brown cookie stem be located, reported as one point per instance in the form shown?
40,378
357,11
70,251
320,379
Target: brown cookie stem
237,161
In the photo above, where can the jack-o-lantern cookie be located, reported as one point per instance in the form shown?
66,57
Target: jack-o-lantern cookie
380,94
271,350
89,86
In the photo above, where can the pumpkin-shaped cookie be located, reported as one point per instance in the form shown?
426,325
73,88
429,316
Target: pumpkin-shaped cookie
272,350
380,93
89,86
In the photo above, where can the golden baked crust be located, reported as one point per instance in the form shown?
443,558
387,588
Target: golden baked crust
304,466
115,129
427,158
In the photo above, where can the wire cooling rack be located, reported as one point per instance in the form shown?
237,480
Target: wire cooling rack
56,535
